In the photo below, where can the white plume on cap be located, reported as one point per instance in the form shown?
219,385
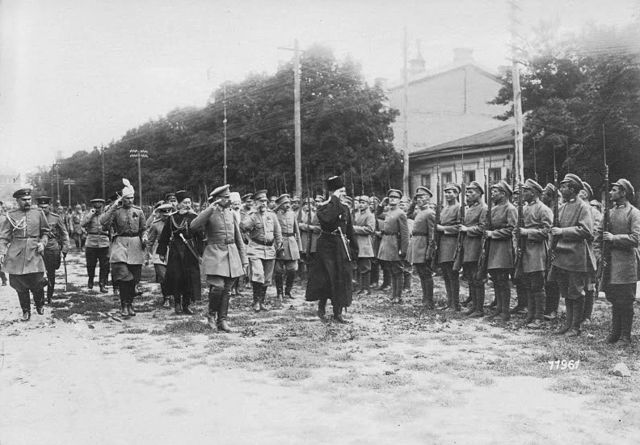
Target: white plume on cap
127,191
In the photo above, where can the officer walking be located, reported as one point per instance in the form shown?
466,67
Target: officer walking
287,262
58,243
23,237
97,245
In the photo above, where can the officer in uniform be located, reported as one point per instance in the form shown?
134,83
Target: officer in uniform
504,218
97,245
474,224
623,239
552,293
448,228
364,226
309,231
421,238
224,257
331,274
184,246
538,219
23,237
265,237
394,244
590,292
152,238
573,258
58,243
127,248
287,260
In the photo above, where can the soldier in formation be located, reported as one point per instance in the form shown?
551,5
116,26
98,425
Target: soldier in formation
57,245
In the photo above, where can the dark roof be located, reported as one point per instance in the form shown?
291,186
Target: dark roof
503,135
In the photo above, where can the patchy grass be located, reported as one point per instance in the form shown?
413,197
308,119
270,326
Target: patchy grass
89,306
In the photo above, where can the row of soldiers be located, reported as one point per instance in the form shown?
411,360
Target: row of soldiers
270,241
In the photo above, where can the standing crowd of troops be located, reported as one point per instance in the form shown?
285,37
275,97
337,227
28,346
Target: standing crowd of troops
546,242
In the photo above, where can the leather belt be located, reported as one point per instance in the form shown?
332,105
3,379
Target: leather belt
419,234
288,234
384,232
262,243
26,237
334,233
128,235
99,233
225,242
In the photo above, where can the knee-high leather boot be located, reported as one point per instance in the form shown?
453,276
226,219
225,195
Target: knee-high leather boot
291,275
223,310
616,324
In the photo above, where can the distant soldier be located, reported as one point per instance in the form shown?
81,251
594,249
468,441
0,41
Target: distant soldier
520,285
623,240
224,256
265,237
331,273
184,246
170,198
97,245
77,231
23,237
287,261
448,227
538,219
418,255
152,236
374,202
309,233
58,243
573,261
590,292
504,218
394,244
364,226
127,249
474,224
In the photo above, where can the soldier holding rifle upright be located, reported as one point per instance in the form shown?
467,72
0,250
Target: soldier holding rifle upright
622,238
448,228
573,260
394,244
330,274
421,237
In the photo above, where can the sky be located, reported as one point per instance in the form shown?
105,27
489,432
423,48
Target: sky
75,74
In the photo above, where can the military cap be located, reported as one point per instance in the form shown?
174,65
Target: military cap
363,198
246,197
164,207
22,193
503,186
260,194
422,190
181,195
334,183
588,189
533,185
295,198
375,199
394,193
476,185
219,191
405,200
319,197
573,179
348,199
550,188
452,186
626,185
169,195
595,203
100,200
43,199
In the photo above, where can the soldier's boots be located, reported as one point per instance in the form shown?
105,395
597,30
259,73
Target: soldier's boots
322,309
588,305
257,290
427,294
365,284
263,298
531,307
290,277
212,316
130,311
103,288
177,304
222,313
186,310
578,311
26,315
337,315
279,290
626,322
49,293
123,309
455,296
479,303
38,298
569,322
386,279
616,324
90,284
471,299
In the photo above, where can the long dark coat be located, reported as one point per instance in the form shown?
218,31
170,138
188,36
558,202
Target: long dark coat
330,274
183,268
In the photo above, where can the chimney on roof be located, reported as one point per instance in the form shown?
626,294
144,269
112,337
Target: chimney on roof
462,56
417,64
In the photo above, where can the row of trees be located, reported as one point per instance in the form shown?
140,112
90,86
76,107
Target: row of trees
345,130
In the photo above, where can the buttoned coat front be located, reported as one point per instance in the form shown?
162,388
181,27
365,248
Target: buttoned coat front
129,225
263,229
504,218
395,236
573,251
20,234
449,218
290,235
624,225
224,254
422,236
475,219
538,219
364,226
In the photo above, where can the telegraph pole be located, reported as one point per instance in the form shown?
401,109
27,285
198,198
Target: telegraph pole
139,154
224,126
405,124
517,94
102,158
57,167
296,117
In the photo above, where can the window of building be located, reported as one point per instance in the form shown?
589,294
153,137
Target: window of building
446,178
425,180
469,175
495,175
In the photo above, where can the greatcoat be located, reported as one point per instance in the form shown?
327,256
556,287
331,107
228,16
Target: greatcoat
421,236
475,218
504,218
573,251
395,236
364,225
624,225
538,219
20,234
449,218
290,235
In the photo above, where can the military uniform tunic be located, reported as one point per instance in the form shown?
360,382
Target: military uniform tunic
504,218
364,225
421,236
573,252
19,237
264,234
624,225
128,224
538,219
395,236
475,219
309,230
290,235
449,218
97,237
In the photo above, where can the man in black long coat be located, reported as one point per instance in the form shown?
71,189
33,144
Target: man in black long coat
330,275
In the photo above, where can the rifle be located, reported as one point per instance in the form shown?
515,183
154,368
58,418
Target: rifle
554,240
436,236
459,255
64,262
604,262
483,259
309,233
520,240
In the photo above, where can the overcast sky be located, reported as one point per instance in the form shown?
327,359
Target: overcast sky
79,73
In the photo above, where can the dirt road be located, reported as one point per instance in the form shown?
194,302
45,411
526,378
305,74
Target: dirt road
394,375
